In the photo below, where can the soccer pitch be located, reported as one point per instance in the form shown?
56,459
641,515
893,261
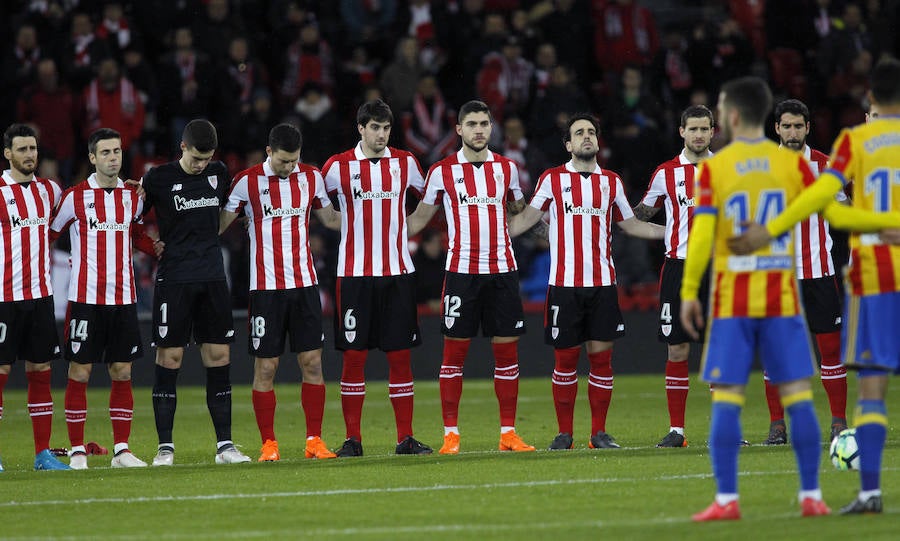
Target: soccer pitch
637,492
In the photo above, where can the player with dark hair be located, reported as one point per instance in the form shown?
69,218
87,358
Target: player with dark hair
27,323
376,285
672,187
818,283
481,287
867,156
754,307
191,298
277,197
582,300
102,322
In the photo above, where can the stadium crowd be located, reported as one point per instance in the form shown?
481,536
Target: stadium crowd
146,68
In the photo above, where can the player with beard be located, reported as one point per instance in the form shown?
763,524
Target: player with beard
27,323
481,287
582,307
191,297
818,283
672,186
376,285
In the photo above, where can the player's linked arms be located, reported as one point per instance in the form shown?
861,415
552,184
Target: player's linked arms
643,212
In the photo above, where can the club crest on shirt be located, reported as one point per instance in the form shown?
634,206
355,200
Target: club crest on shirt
666,329
75,346
395,172
255,342
163,331
350,336
554,332
213,181
498,177
448,322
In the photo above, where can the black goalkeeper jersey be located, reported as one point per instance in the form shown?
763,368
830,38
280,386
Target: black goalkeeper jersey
187,211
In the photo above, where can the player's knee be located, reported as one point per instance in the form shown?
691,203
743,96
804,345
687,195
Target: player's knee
79,372
311,365
120,371
169,357
679,352
215,355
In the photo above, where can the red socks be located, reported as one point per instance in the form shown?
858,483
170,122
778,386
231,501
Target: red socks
600,387
264,403
451,379
40,408
565,387
400,390
833,373
677,386
506,380
773,399
312,398
121,410
76,411
353,390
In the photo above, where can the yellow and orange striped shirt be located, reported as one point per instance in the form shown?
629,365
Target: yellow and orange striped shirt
750,180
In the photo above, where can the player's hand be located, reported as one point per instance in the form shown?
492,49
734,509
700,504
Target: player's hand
138,187
692,317
890,236
159,247
754,237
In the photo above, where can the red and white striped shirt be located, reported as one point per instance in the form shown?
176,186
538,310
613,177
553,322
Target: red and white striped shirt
372,196
102,269
672,186
278,209
25,214
582,211
811,236
474,198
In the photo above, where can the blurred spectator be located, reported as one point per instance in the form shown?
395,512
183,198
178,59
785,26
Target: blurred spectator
318,122
398,80
142,74
550,113
458,36
793,24
83,52
625,33
241,75
672,79
257,123
54,111
19,65
114,29
429,260
881,20
544,62
633,120
369,23
214,30
521,26
357,72
112,101
429,129
528,157
504,81
840,48
567,24
186,82
307,59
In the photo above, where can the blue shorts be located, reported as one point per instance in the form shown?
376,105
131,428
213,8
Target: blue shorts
781,342
869,337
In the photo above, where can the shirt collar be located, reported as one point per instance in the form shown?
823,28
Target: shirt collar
360,155
267,168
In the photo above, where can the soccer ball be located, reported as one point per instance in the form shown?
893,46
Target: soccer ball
844,451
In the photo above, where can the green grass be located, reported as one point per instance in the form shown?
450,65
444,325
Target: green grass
638,492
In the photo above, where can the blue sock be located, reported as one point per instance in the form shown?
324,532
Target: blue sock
724,438
806,441
871,431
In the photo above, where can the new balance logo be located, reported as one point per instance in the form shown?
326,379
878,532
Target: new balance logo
520,324
134,350
355,176
620,327
11,202
265,192
460,180
90,205
567,189
229,334
176,187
